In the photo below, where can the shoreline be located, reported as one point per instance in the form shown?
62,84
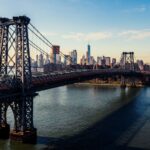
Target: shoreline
106,84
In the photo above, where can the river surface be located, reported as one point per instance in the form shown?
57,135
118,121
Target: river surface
68,110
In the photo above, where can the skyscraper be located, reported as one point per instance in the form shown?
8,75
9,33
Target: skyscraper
83,60
41,60
107,61
73,55
37,58
89,53
55,53
67,60
140,64
100,61
113,62
47,60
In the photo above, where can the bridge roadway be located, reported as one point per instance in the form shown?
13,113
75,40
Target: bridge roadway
64,78
46,81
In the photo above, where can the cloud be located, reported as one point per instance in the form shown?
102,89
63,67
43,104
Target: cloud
72,35
135,34
93,36
139,9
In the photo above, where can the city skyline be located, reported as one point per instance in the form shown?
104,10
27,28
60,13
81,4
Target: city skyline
87,60
110,26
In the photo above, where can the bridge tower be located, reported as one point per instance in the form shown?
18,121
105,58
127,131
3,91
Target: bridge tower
127,64
127,61
15,71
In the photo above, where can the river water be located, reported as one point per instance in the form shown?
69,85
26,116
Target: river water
68,110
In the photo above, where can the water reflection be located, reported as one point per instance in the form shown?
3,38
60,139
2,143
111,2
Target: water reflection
68,110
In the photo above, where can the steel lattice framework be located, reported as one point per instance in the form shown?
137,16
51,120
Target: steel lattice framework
127,61
15,64
4,48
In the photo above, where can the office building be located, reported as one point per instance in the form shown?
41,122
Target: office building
113,62
88,53
73,55
55,53
140,64
40,61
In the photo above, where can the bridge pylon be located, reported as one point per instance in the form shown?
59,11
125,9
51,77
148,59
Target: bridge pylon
15,66
123,82
127,61
127,64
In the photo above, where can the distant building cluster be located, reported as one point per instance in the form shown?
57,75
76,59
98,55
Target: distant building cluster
56,61
101,61
88,59
40,61
141,66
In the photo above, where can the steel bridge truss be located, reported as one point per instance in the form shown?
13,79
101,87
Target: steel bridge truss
127,61
15,66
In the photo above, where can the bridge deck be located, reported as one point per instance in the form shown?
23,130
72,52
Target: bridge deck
45,81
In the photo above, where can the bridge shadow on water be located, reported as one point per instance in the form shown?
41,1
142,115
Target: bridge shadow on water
105,133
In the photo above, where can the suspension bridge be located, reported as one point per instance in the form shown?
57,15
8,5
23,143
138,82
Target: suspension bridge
18,85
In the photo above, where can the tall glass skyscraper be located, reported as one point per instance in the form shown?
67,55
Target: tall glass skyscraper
73,55
89,53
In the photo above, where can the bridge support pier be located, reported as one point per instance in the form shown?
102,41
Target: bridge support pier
4,131
22,108
24,130
28,136
4,126
146,81
123,82
132,82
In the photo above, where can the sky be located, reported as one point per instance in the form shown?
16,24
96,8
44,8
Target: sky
109,26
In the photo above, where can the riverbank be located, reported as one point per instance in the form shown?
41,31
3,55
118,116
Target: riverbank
104,84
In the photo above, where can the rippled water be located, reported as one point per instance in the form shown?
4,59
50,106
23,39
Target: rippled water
67,110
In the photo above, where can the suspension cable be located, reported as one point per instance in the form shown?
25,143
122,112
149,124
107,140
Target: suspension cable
41,34
39,37
47,42
37,47
44,40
